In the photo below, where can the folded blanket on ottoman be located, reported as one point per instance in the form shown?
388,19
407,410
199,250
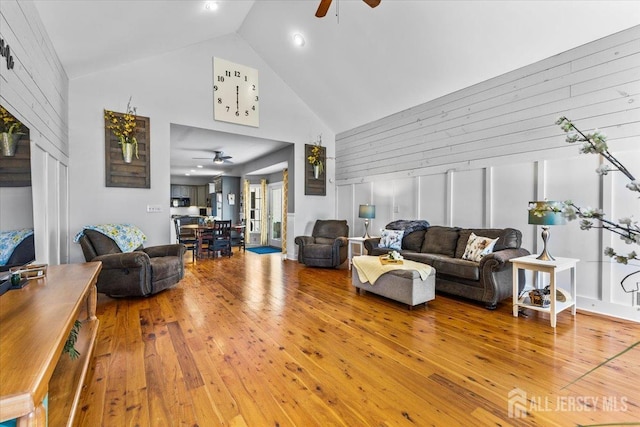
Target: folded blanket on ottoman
370,268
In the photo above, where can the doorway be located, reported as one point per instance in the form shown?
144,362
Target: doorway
274,217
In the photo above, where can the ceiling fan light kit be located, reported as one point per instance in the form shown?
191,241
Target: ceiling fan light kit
218,158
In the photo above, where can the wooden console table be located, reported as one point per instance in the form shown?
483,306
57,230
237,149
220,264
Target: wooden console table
35,322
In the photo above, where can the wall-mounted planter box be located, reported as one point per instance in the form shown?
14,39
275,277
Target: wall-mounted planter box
313,186
136,174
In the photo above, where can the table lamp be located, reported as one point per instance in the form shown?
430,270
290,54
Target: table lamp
546,216
367,212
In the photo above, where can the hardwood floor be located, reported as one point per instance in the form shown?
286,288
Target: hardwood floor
252,340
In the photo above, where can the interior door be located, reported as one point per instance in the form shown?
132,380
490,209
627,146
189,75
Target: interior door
274,217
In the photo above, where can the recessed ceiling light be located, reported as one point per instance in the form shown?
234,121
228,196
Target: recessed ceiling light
192,170
298,40
187,174
200,166
211,6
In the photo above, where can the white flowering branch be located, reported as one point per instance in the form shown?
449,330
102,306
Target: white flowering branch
626,228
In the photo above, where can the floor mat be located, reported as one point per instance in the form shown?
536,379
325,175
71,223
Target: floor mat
264,250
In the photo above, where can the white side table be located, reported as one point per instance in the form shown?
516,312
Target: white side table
358,241
530,262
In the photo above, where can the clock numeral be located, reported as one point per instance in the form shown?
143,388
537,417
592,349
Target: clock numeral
253,87
219,100
253,107
246,112
256,98
227,107
237,113
215,87
220,79
245,79
237,74
227,73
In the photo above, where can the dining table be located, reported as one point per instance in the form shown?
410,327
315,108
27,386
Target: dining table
202,229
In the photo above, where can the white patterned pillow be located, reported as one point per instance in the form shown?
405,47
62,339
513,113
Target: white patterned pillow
391,239
478,247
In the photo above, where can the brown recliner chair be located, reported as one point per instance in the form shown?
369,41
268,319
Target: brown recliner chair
327,246
143,272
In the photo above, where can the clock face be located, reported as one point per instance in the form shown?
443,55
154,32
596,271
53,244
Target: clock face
235,93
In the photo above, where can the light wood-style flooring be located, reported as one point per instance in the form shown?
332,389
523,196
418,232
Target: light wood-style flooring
253,340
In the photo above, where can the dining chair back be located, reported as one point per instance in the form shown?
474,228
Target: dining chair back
221,238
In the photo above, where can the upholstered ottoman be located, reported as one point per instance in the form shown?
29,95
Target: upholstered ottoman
399,283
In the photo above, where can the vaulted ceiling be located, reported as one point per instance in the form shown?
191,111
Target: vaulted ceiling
358,64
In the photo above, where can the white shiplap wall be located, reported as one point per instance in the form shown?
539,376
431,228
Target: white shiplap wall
474,158
36,92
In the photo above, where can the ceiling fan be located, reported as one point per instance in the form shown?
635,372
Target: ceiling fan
218,158
325,4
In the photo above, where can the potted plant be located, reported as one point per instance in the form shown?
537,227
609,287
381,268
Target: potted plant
315,159
124,128
10,133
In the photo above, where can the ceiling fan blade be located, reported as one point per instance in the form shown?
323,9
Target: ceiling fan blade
323,8
372,3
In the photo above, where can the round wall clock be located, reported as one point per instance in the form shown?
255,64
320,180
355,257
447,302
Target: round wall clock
235,93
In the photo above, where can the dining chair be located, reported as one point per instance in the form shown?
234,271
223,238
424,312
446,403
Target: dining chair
221,238
188,238
237,237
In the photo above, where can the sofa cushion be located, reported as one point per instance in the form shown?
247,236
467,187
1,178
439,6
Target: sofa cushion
440,240
391,239
478,247
508,238
458,267
413,241
424,258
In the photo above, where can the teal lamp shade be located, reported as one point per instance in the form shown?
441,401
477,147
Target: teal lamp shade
367,212
546,217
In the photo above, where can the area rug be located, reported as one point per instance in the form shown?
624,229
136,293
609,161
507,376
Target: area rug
264,250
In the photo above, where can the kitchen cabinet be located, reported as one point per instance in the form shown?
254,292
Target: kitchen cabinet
197,194
180,191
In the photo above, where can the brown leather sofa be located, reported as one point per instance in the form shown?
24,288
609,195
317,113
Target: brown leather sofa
327,246
143,272
488,281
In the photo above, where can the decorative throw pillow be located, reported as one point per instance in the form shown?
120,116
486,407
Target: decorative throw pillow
391,239
478,247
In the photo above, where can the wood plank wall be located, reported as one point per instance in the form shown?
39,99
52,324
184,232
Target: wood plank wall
36,92
474,157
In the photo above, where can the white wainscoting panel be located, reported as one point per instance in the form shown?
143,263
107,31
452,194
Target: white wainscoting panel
575,179
468,198
627,205
433,199
383,200
405,198
512,188
344,205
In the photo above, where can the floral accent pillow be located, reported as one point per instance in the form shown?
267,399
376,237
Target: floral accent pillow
391,239
478,247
